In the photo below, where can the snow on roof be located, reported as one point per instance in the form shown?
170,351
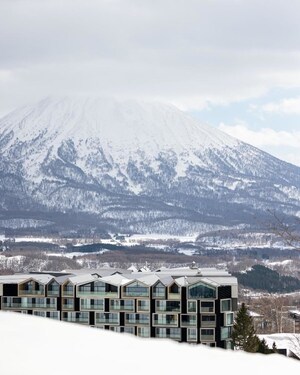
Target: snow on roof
229,280
82,279
148,279
295,312
116,279
181,281
99,271
22,335
182,276
19,278
289,341
253,314
132,268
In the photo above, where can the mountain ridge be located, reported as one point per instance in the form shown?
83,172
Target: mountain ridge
137,167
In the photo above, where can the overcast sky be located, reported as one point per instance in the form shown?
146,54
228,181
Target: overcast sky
234,64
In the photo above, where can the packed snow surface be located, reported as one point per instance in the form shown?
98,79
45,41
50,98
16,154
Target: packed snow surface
34,346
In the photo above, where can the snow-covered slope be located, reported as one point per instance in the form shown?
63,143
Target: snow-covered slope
34,346
136,166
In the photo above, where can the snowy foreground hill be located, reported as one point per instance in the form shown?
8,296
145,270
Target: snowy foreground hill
101,164
34,346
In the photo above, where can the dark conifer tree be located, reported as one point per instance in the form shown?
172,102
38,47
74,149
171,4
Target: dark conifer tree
263,347
274,347
243,333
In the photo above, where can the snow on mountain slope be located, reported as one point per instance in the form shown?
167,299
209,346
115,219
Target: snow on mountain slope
151,126
124,130
138,166
34,345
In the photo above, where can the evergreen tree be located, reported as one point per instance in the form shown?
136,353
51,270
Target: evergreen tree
263,347
274,347
243,333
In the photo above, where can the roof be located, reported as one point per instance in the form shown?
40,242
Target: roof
288,341
20,278
82,279
295,312
116,279
182,276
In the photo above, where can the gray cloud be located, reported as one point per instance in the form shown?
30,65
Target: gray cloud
187,52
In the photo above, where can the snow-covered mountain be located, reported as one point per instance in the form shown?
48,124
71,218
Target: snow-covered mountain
118,165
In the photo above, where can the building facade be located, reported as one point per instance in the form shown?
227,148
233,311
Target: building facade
185,304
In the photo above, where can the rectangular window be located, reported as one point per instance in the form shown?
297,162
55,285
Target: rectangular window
107,318
172,333
165,320
207,306
192,306
225,333
207,334
192,334
137,319
228,319
162,306
143,305
225,305
143,331
188,320
122,305
91,304
208,321
159,291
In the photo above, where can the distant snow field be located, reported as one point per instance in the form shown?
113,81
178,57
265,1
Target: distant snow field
34,346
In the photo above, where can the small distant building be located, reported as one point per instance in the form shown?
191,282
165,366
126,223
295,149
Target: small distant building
185,304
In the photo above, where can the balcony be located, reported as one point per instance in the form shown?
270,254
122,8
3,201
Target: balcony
107,318
188,320
97,293
165,320
137,319
53,292
208,321
173,333
31,292
94,305
68,292
175,296
207,335
81,318
122,305
167,306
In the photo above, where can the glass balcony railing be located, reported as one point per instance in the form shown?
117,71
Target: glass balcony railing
170,321
207,338
174,295
68,306
31,292
208,324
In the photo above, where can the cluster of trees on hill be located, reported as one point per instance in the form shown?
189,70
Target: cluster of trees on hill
263,278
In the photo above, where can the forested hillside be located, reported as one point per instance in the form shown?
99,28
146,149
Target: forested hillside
263,278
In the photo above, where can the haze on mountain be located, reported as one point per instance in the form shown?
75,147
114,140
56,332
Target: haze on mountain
105,164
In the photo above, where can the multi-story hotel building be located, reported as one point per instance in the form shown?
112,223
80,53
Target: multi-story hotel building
185,304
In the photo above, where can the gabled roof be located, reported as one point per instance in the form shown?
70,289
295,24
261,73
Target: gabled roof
82,279
204,280
115,279
21,278
148,279
165,279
